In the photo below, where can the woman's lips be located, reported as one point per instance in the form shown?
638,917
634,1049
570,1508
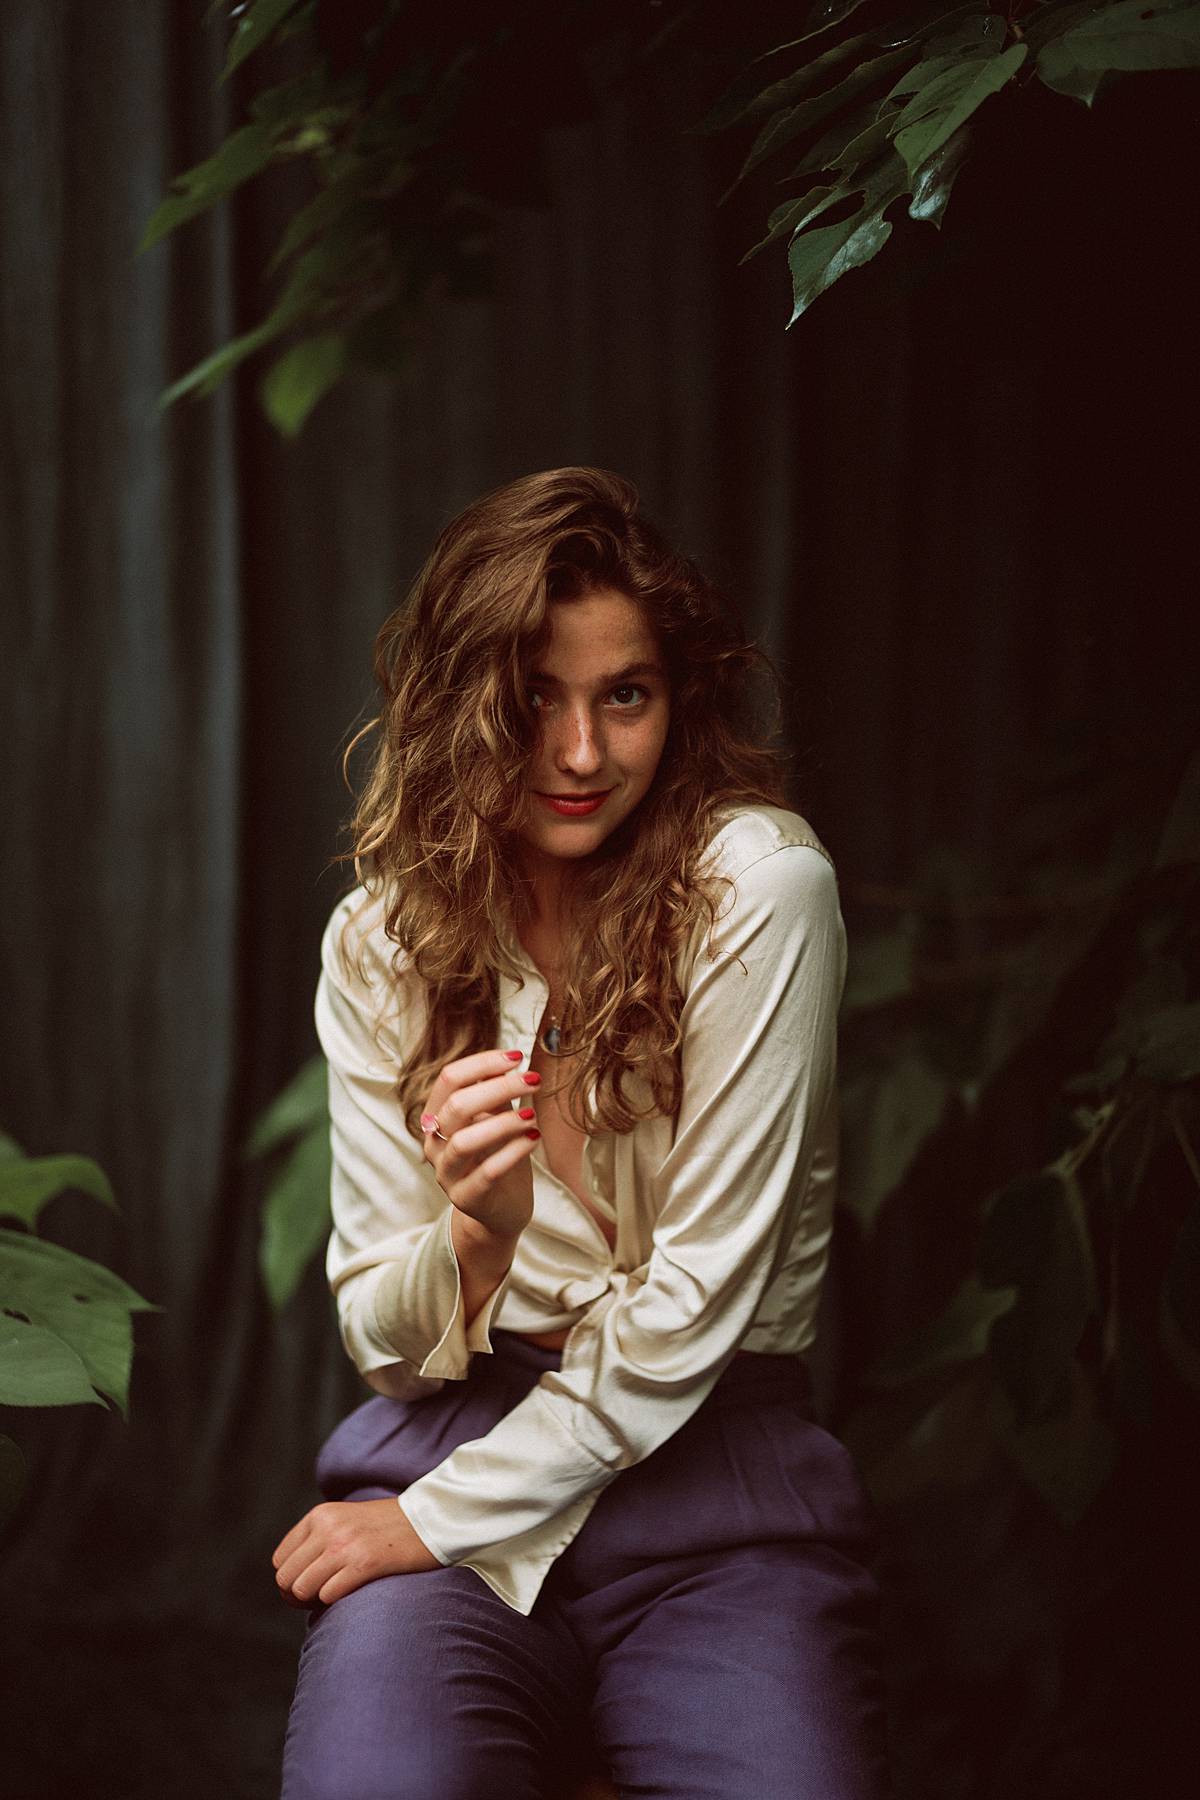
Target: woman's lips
574,809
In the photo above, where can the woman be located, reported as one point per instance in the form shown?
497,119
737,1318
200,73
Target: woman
588,1498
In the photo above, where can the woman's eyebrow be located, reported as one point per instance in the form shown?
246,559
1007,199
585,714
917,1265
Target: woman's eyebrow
603,681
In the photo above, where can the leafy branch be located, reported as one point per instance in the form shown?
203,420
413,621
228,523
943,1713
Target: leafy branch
66,1333
415,126
292,1135
1082,1297
899,102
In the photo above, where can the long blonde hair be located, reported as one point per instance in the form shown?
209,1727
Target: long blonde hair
435,826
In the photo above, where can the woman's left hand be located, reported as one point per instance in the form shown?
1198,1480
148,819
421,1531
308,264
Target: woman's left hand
342,1544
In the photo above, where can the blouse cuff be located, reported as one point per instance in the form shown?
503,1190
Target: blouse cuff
419,1312
514,1569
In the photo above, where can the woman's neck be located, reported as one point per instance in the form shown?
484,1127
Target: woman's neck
545,900
543,943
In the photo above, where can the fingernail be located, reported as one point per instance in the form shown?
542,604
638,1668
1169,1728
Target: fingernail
514,1055
532,1079
533,1134
526,1112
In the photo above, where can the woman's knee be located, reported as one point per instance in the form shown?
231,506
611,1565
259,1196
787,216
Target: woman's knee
448,1773
423,1687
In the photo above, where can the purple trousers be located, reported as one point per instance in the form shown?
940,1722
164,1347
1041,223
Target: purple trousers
711,1633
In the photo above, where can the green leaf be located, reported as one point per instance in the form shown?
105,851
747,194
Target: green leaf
889,1112
1035,1239
1133,35
818,258
1169,1048
787,218
791,121
975,31
76,1300
208,374
913,1440
301,1106
881,968
823,15
377,176
1057,69
301,376
937,110
958,1333
243,154
848,146
935,178
289,102
1180,838
827,13
38,1369
922,74
1050,22
27,1183
1095,48
1161,1042
296,1215
253,29
748,99
745,96
307,284
12,1479
1066,1457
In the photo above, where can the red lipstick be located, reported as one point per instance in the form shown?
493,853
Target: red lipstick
574,809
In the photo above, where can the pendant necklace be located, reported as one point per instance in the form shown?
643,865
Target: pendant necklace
550,1036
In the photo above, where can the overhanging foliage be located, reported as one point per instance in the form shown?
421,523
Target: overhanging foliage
414,127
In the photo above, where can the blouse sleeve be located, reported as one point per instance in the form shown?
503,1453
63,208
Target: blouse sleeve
759,1054
390,1262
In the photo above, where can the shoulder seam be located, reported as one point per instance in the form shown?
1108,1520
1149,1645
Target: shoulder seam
794,844
783,834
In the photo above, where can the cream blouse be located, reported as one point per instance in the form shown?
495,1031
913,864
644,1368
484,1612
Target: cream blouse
723,1213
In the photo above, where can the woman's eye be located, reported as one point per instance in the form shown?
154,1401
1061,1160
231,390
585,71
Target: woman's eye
535,694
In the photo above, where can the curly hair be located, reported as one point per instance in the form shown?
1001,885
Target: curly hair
435,827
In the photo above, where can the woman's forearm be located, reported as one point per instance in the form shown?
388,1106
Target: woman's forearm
484,1259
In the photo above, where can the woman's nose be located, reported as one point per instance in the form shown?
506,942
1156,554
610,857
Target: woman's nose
580,741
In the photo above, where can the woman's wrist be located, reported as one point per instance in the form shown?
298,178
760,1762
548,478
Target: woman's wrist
484,1259
483,1243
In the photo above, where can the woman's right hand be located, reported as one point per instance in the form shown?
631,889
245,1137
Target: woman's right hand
483,1167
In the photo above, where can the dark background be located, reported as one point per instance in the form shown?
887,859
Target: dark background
956,502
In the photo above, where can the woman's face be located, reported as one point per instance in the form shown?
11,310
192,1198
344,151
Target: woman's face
601,694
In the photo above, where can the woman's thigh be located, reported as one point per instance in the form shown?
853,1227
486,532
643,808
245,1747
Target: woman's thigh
751,1673
429,1687
724,1592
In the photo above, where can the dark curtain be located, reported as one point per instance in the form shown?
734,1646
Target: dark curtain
953,502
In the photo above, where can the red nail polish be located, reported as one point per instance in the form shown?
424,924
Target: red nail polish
514,1055
533,1133
532,1079
526,1112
